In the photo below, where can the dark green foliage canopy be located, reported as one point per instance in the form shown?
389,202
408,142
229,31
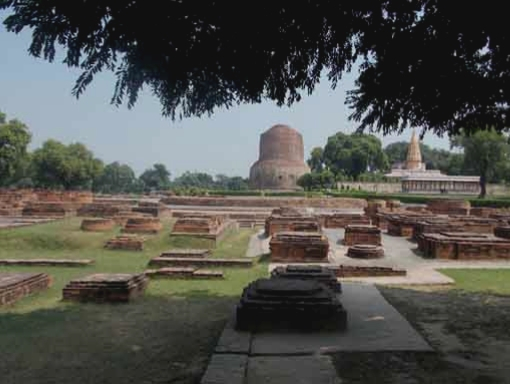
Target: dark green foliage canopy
156,178
354,154
438,65
73,166
14,139
116,178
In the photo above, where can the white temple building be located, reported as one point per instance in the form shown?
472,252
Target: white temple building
416,178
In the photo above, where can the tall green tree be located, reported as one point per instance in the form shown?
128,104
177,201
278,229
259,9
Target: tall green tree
316,160
156,178
354,154
116,178
73,166
485,154
194,179
14,140
452,67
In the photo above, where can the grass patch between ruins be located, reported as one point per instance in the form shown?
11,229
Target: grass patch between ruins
496,281
165,336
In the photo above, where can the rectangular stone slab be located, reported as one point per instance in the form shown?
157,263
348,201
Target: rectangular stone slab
372,325
291,370
225,369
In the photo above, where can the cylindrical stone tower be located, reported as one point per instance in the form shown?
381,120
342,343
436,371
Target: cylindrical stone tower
281,160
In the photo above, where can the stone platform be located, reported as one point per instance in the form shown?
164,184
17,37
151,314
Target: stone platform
301,357
283,303
15,286
106,287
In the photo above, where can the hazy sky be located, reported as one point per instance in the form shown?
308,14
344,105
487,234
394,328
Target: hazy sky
39,94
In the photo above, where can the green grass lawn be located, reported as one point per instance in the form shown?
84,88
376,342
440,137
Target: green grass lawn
165,336
481,280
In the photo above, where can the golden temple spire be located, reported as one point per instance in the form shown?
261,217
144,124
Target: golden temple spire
413,153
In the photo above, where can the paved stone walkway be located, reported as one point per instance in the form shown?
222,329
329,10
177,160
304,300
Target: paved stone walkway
297,357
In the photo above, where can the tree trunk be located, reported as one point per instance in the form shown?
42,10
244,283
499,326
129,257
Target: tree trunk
483,191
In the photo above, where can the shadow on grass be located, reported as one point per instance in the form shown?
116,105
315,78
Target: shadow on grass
154,339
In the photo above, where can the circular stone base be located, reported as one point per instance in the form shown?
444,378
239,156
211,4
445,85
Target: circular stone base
365,252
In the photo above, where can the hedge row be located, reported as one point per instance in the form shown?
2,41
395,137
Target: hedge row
405,198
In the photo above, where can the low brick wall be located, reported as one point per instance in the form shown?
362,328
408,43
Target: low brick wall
326,202
47,262
341,220
356,271
185,273
199,262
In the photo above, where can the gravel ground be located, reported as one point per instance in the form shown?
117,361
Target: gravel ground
470,333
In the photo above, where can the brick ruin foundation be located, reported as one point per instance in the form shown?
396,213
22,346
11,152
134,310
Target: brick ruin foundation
282,220
187,252
449,207
402,224
14,286
302,202
364,251
185,273
199,262
142,225
362,234
298,247
341,220
502,231
208,227
126,243
106,287
347,271
289,303
463,246
97,225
